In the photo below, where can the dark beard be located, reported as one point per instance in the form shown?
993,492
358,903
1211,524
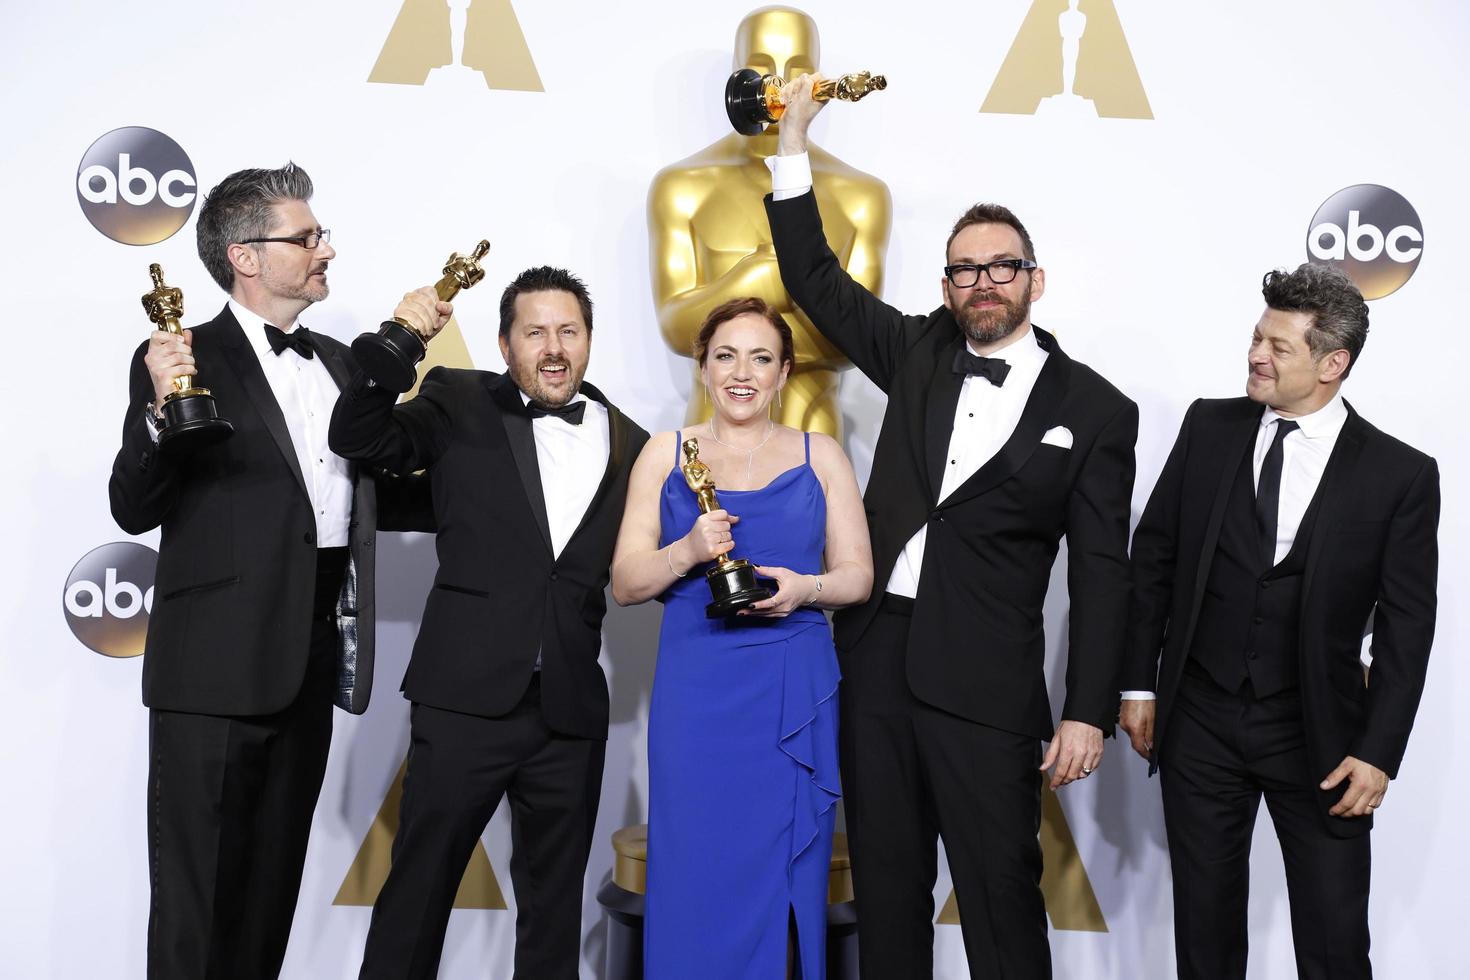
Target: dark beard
988,326
528,379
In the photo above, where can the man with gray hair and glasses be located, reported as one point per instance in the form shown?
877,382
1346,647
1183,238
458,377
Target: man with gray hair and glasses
264,610
1281,523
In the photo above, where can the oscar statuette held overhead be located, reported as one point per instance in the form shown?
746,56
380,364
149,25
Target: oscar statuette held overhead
753,101
391,356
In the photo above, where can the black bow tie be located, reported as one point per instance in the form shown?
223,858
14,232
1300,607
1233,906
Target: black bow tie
570,413
298,340
992,369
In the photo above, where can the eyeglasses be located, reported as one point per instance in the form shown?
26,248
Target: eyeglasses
965,274
309,241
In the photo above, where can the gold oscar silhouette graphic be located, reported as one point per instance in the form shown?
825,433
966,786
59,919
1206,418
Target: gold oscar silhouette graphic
1070,58
709,240
454,43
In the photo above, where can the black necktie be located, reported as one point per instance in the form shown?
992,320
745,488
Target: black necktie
1268,491
570,413
298,340
992,369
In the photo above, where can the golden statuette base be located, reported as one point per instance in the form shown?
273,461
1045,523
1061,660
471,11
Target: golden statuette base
392,355
753,101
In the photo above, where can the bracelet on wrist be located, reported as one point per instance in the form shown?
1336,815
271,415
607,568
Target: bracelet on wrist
669,554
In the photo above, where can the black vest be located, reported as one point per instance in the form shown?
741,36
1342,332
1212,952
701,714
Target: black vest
1248,620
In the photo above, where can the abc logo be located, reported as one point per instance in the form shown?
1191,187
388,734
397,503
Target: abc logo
1370,232
108,597
136,186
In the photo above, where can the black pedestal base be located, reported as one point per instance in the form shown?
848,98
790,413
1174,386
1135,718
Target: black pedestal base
191,422
745,102
390,356
734,586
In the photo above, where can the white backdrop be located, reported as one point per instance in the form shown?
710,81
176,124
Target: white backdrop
1154,234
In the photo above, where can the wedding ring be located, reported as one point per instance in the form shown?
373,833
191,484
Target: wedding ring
1086,771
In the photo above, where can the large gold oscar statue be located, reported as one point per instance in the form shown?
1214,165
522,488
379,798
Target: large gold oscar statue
709,240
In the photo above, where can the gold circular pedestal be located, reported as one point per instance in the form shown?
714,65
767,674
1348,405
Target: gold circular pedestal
630,864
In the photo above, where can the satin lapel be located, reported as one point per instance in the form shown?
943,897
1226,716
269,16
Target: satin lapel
522,448
240,356
943,398
1337,480
617,451
1041,406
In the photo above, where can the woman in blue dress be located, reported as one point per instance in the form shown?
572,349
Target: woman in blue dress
742,729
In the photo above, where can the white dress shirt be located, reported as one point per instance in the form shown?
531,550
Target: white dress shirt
306,393
984,419
1304,455
572,460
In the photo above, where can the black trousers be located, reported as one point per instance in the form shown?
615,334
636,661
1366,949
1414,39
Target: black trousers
459,766
1224,751
230,801
912,774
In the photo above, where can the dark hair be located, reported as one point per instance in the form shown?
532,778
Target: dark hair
238,208
992,214
729,310
543,278
1339,315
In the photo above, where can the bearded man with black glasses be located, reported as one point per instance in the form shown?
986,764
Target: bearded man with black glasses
994,445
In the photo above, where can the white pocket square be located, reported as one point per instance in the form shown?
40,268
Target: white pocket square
1059,436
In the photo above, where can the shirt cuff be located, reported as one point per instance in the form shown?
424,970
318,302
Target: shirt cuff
791,176
150,423
1139,696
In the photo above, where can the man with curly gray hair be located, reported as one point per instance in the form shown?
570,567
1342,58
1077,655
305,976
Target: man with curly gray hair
1282,529
264,615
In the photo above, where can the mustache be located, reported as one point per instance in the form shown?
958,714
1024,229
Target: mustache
979,298
553,361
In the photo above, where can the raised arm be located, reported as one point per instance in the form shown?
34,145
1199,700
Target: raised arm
872,334
368,428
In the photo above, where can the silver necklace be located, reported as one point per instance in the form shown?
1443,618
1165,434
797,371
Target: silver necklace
749,453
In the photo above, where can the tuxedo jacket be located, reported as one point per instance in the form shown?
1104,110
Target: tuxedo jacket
229,632
1372,551
975,645
500,597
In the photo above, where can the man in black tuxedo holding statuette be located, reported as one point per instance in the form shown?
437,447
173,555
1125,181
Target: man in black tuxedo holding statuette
264,615
529,471
994,445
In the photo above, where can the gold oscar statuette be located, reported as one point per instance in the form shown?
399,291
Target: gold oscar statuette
191,419
391,356
732,581
753,100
